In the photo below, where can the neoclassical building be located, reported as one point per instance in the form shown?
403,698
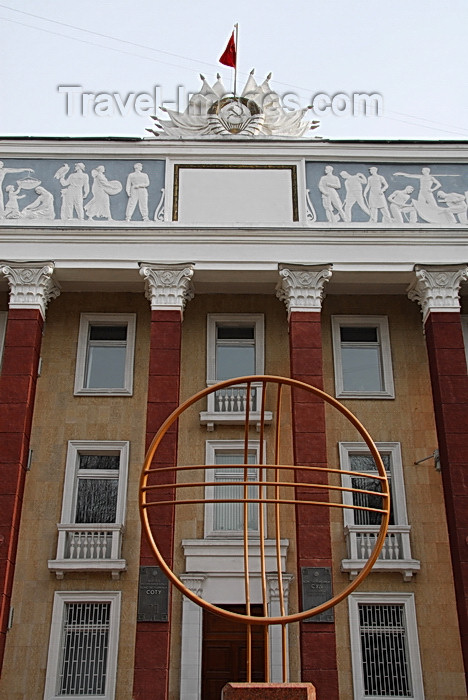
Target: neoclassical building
135,273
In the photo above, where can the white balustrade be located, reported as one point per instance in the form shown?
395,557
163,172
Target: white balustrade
88,547
395,554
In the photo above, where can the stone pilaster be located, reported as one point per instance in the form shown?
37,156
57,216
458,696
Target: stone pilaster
31,288
302,289
168,288
436,289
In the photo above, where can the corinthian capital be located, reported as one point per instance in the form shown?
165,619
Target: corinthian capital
436,287
31,284
302,286
168,287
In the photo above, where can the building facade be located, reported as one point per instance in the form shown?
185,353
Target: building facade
135,273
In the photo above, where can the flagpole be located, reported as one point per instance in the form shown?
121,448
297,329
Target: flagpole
236,27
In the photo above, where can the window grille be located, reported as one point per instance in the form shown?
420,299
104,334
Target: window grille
85,645
384,648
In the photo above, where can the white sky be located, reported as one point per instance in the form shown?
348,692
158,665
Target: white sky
412,52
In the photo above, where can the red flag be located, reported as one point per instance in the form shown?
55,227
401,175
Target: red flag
229,56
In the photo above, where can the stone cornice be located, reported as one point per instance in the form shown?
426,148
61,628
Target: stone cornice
168,287
302,286
31,284
436,287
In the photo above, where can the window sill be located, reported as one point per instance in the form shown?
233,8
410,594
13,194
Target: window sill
212,418
112,566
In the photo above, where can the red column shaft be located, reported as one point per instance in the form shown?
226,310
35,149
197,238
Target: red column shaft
17,391
153,638
318,642
449,380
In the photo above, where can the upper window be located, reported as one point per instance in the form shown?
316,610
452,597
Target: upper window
83,642
362,357
93,508
104,361
235,348
362,526
384,646
225,518
3,322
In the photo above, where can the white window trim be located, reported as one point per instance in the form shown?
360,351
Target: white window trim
82,351
114,564
464,322
400,531
3,323
211,417
213,446
406,599
381,322
55,646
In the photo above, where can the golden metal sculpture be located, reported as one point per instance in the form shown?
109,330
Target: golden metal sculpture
272,480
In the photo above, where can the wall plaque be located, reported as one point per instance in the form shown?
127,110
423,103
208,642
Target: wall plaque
317,589
153,595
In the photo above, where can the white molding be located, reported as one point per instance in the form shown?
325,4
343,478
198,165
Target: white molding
31,284
168,287
464,322
302,286
54,655
87,320
373,598
380,322
437,287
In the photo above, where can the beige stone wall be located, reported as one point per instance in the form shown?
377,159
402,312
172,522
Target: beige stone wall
60,417
407,419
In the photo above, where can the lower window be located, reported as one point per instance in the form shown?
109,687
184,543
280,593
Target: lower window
83,646
384,646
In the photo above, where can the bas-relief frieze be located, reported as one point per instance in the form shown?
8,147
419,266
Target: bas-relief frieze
387,193
81,190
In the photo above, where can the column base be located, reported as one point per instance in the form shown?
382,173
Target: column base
268,691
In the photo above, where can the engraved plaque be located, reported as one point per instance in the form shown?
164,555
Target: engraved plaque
153,595
317,589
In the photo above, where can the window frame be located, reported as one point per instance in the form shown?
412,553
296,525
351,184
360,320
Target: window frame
413,655
379,322
212,447
87,320
3,325
72,467
55,653
213,320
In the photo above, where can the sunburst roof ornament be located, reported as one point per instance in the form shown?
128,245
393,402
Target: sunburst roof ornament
213,111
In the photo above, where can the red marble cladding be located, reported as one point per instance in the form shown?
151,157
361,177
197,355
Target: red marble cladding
153,638
17,391
449,378
318,643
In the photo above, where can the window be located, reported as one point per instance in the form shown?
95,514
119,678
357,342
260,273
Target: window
3,322
362,526
93,508
235,348
384,646
227,519
464,321
104,361
83,643
362,357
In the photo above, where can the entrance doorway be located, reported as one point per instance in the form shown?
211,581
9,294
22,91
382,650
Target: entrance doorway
224,651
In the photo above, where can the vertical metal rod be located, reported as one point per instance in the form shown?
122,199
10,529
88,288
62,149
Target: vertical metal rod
279,397
236,27
262,530
246,533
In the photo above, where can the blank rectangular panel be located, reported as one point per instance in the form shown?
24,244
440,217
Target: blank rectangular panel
105,367
234,361
362,369
235,196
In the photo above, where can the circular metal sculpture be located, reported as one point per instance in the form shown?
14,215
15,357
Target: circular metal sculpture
275,488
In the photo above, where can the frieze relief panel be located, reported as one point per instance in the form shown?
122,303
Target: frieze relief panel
390,194
76,191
